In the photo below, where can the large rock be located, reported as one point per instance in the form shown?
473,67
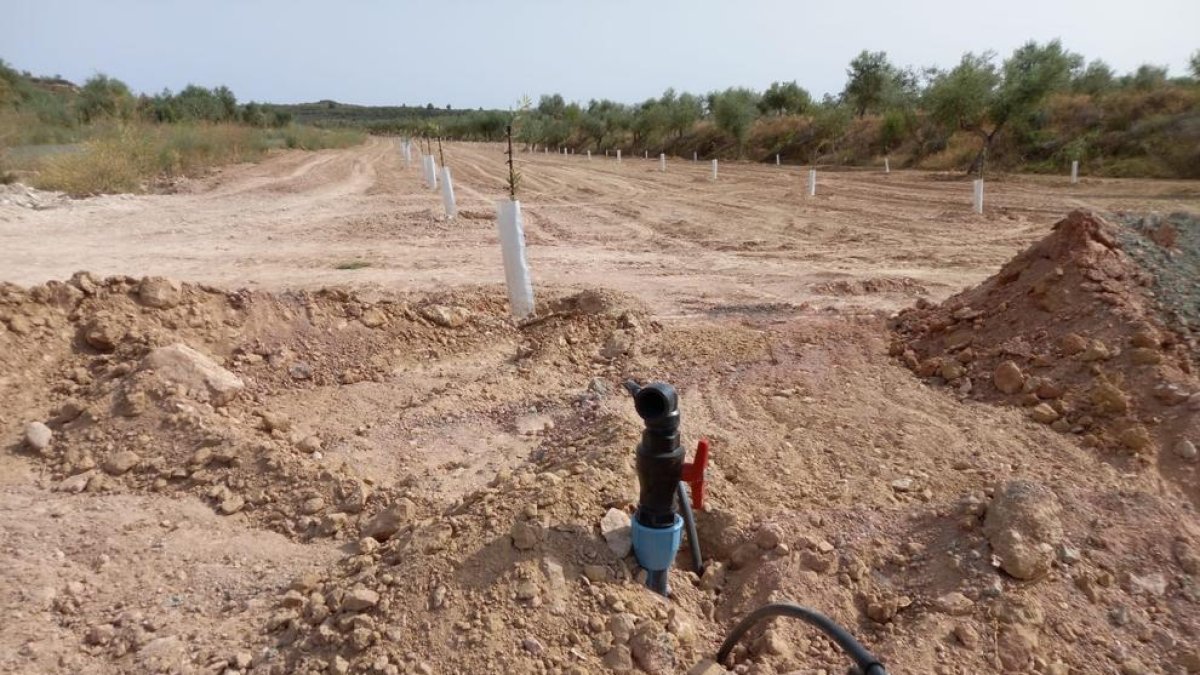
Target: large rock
442,315
1008,377
160,292
182,365
1023,528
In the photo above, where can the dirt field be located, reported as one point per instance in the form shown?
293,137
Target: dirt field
212,535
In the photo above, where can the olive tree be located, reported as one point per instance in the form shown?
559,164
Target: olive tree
978,97
734,110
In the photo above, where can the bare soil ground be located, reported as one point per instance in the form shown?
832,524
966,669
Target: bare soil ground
175,522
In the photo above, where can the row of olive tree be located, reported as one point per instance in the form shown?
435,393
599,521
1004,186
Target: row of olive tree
981,95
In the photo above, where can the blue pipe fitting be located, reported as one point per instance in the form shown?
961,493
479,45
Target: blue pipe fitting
655,547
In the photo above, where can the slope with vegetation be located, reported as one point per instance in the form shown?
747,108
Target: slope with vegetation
1036,110
102,138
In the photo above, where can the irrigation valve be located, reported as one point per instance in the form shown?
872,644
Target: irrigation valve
658,525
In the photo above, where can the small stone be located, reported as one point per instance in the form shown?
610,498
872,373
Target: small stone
967,635
359,599
37,436
181,365
312,505
524,535
373,318
707,667
615,528
902,484
526,590
744,555
619,343
768,536
1044,413
1144,356
1008,377
160,292
1073,343
619,659
231,505
1135,438
389,521
121,462
532,646
272,421
300,370
595,573
309,444
1185,449
954,604
952,370
447,317
1096,351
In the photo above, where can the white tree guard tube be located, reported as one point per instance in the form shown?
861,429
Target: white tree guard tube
618,155
777,159
887,165
662,161
695,156
812,182
512,246
714,169
645,154
425,169
589,155
978,197
448,194
1074,171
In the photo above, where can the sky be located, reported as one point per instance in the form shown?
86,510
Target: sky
478,53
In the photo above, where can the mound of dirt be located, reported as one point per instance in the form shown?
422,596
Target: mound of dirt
152,385
1082,332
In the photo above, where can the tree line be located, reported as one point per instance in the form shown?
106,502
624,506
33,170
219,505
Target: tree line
1041,103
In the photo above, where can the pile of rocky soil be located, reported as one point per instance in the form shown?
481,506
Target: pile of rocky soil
23,196
1089,330
153,385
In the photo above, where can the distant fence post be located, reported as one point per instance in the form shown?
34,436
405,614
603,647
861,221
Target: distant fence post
812,182
714,169
978,200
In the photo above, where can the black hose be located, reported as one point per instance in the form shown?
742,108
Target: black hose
689,522
656,580
866,662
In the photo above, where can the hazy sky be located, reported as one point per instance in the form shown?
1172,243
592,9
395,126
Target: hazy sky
477,53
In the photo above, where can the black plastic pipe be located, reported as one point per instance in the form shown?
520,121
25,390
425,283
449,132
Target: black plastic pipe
866,662
689,523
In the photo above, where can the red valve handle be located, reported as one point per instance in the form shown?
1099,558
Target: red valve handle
693,474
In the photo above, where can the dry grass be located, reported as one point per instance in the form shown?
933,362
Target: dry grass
131,157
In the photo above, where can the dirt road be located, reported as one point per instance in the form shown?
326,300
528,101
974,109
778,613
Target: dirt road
160,531
682,243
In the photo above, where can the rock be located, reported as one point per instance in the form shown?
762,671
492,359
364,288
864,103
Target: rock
1144,356
37,436
1185,449
744,555
309,444
1135,438
526,590
103,333
902,484
1189,660
1044,413
1023,527
389,521
272,421
771,643
1016,647
312,505
75,484
231,505
621,627
184,366
714,576
1154,584
654,649
595,573
447,317
160,292
954,604
615,528
1096,351
524,535
532,646
300,370
100,634
1008,378
1073,343
373,317
617,344
952,370
359,599
1108,398
619,659
120,462
768,536
967,635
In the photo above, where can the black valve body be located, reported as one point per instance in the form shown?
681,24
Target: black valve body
659,455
